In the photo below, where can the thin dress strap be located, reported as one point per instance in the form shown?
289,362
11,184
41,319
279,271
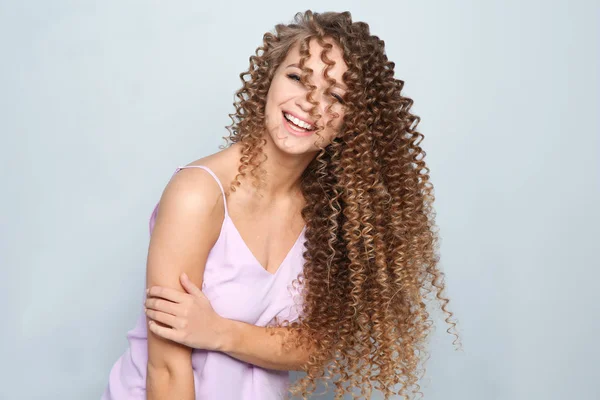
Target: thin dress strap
214,176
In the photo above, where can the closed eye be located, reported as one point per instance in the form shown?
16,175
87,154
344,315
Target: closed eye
339,98
295,77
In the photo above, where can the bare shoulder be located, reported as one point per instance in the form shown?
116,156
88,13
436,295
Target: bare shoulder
188,223
193,194
223,163
192,190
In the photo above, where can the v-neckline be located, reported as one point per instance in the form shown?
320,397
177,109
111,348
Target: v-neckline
258,263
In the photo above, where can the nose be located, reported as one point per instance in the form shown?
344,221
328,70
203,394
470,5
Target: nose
306,106
303,104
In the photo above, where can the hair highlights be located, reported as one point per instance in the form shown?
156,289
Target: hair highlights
371,253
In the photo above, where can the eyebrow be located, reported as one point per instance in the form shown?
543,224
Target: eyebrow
337,84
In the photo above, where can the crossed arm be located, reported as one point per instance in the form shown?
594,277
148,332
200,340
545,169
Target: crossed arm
255,345
190,320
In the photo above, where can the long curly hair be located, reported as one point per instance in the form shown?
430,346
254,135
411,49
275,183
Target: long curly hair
371,240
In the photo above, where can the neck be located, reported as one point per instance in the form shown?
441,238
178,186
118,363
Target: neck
283,171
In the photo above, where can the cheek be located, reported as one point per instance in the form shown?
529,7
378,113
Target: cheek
336,124
336,120
271,106
280,90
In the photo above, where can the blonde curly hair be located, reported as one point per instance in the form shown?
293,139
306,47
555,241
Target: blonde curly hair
371,240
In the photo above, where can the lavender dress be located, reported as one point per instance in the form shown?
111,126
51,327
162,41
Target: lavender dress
238,288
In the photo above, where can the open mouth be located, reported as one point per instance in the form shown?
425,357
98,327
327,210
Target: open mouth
297,125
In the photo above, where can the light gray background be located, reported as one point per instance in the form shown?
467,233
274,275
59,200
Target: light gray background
101,101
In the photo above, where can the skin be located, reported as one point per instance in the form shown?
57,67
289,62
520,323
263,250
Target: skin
287,93
180,316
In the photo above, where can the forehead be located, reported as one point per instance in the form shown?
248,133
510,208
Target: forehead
335,54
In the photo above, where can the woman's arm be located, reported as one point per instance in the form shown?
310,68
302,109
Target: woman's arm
255,345
186,227
198,326
194,323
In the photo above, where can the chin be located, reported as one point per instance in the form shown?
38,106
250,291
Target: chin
291,146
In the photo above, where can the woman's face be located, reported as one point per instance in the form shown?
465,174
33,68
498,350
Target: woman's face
287,99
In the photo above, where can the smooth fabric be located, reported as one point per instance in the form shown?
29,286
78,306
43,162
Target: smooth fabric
238,288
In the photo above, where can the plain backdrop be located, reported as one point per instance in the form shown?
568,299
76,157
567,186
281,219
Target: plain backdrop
101,101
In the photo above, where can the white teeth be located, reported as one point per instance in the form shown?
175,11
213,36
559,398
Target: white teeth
298,122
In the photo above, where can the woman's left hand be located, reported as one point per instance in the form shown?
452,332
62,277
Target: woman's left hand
189,318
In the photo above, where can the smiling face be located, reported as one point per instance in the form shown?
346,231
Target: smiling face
287,106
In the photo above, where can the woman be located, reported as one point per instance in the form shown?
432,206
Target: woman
319,254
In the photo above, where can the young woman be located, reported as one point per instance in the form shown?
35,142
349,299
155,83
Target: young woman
306,244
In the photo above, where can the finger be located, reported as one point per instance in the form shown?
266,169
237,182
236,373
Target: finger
163,318
173,295
189,286
167,333
165,306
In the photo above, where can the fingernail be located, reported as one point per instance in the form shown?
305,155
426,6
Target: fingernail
184,275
